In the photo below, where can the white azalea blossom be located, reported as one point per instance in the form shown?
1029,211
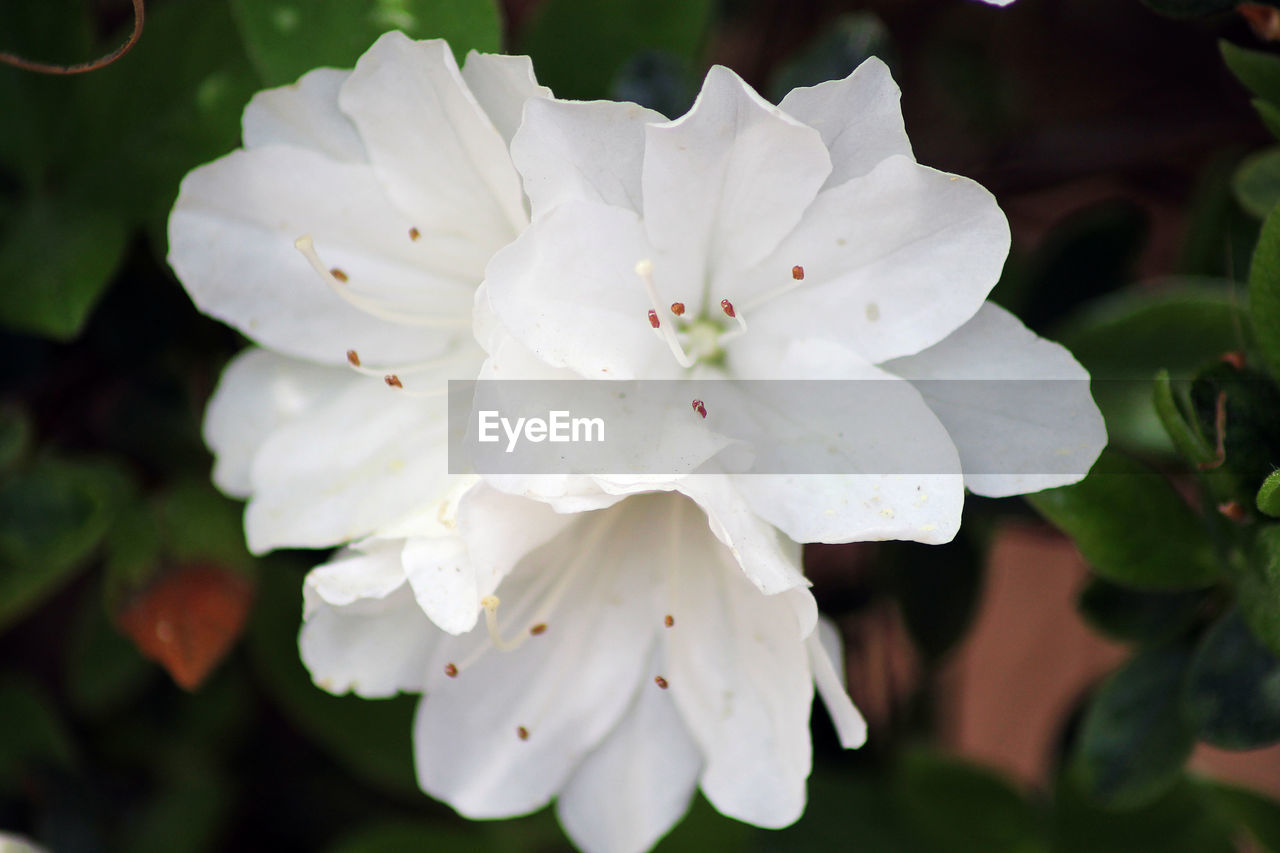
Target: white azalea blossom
625,662
802,241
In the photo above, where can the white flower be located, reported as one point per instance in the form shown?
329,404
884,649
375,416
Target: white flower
397,175
749,241
628,661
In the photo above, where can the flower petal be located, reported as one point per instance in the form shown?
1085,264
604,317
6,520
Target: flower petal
724,184
363,632
501,85
440,157
859,117
893,262
826,659
588,150
1029,423
305,114
231,242
258,392
633,788
738,673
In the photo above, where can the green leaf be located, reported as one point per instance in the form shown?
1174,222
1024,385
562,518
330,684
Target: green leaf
1232,691
1134,739
287,38
658,80
836,801
963,807
1264,293
938,588
1184,820
1269,495
841,46
371,737
52,516
1270,115
1258,588
1250,404
1257,70
33,733
1132,527
1257,182
578,46
58,255
199,525
15,435
103,670
1258,814
1132,616
1183,431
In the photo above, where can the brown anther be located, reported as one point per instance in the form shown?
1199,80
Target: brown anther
677,308
1264,20
353,358
540,628
699,408
797,272
653,319
1233,510
414,233
660,681
1235,358
451,670
522,733
338,274
668,620
393,380
727,307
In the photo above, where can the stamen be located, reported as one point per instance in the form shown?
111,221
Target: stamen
451,670
353,358
393,380
677,308
337,280
668,620
490,604
797,272
414,234
522,733
797,276
699,408
727,307
540,628
644,269
660,681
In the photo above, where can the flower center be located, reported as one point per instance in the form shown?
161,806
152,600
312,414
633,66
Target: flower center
695,339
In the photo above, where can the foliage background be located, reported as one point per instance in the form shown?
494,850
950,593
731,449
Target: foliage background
1136,174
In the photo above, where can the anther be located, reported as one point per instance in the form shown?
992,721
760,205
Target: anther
677,308
392,380
660,681
353,358
451,670
797,272
644,269
540,628
727,307
522,733
668,620
699,408
653,319
339,275
1233,510
414,233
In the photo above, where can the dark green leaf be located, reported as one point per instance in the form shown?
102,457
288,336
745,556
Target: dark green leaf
199,525
1258,588
1258,814
1134,739
1257,182
963,807
33,733
15,435
1138,617
1264,293
1184,820
842,46
1270,115
658,80
937,587
1132,526
1269,495
575,66
1250,405
58,255
287,38
1232,692
1257,70
103,670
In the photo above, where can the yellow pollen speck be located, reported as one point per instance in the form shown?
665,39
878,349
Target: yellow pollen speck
886,512
927,528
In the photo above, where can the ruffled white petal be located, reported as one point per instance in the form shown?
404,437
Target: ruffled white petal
723,185
439,155
231,242
258,392
633,788
501,85
590,151
304,114
894,261
859,117
363,632
1016,405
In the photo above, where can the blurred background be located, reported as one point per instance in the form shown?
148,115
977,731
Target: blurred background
151,696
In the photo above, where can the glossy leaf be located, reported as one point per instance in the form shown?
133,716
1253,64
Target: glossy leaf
1257,182
1132,527
1232,691
1258,70
1268,499
1264,293
1258,587
1133,616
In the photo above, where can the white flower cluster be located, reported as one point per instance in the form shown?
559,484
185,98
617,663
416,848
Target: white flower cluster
612,644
